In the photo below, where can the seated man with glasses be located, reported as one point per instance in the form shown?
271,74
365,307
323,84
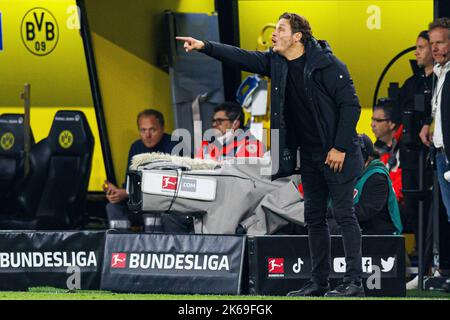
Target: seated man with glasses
387,145
231,139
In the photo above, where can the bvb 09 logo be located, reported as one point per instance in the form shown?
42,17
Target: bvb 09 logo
7,141
39,31
65,139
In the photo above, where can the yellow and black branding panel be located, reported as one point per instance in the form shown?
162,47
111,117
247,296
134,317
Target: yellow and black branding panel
40,31
7,141
42,46
65,139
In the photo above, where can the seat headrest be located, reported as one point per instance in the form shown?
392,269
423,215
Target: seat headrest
11,134
70,133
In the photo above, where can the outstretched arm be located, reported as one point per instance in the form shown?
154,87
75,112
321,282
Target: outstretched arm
251,61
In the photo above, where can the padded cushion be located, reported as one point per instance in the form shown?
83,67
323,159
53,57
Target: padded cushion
11,134
54,194
12,154
70,133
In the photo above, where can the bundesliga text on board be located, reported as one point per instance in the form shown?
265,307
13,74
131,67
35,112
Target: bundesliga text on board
48,259
169,261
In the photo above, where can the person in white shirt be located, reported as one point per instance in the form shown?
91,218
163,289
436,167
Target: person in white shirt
437,131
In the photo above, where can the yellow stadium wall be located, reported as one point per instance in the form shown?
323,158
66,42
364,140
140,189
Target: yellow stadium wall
344,24
59,80
124,37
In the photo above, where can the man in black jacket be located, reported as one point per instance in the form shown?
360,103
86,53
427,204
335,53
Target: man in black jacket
313,106
413,106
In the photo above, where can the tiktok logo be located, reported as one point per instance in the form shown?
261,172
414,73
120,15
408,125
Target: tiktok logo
297,267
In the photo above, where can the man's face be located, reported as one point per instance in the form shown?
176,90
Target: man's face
282,37
381,126
423,52
221,122
440,45
150,130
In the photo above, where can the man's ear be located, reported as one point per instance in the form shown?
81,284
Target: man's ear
392,125
236,124
298,36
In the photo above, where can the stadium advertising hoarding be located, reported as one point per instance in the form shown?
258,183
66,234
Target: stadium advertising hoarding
186,263
169,263
279,264
71,259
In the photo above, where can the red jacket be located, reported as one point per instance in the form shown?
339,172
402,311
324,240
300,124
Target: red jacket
396,172
244,145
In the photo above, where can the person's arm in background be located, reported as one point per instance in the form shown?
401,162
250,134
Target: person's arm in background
425,133
115,194
373,198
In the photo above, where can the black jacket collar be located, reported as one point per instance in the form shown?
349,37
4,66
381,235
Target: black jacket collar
318,54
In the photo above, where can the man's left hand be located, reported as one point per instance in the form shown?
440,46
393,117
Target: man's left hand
335,159
116,195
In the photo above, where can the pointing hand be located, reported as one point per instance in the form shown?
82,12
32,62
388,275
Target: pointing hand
191,43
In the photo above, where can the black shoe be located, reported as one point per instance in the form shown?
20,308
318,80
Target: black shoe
446,286
310,289
347,289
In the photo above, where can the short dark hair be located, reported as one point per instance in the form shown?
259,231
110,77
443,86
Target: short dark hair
298,24
151,113
443,22
233,111
385,104
424,35
367,148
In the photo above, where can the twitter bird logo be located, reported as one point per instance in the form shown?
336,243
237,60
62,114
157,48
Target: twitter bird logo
388,264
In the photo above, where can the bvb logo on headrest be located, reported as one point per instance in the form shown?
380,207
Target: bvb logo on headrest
65,139
7,141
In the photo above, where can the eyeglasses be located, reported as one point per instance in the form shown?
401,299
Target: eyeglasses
380,120
219,120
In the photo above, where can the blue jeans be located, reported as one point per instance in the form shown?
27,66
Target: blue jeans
444,185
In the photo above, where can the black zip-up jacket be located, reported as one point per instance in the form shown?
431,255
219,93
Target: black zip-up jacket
417,84
410,144
329,90
372,209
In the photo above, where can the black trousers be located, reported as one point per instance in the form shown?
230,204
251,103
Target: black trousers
320,185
